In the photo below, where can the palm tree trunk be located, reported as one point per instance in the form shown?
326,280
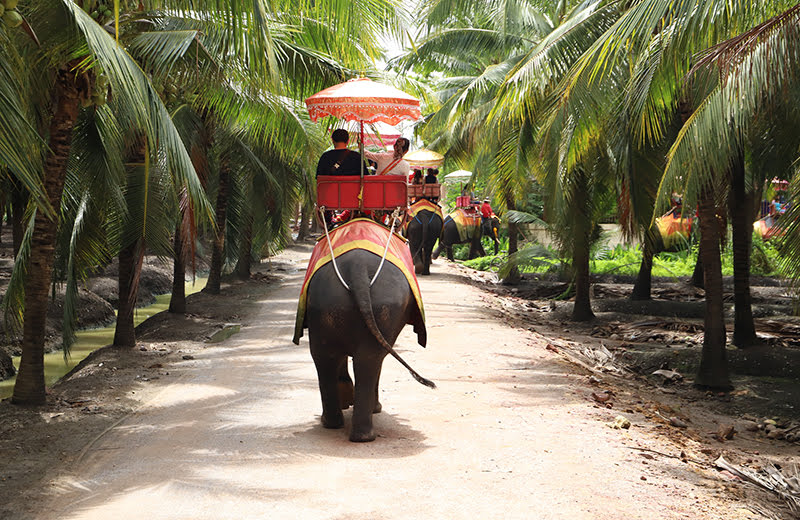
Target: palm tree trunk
18,202
582,311
215,272
514,276
3,203
740,205
29,388
302,233
130,266
644,280
713,372
177,300
244,262
698,276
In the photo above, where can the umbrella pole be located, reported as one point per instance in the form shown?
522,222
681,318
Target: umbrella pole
361,153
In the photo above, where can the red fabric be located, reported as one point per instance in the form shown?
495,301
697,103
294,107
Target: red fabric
486,210
358,234
364,100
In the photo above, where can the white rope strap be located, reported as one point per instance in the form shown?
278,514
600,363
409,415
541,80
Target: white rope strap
395,215
330,246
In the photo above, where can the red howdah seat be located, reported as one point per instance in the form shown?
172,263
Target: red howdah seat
428,191
381,192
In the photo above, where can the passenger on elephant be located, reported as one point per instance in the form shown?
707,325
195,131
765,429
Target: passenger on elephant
417,177
677,205
392,163
431,178
776,209
486,211
340,160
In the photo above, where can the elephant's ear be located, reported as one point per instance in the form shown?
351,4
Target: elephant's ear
419,326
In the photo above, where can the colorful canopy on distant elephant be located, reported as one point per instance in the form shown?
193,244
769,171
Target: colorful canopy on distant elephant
674,231
360,233
767,227
467,222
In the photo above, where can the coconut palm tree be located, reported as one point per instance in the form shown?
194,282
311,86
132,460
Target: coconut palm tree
665,36
497,37
72,48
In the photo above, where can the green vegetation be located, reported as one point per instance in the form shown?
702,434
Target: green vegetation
625,260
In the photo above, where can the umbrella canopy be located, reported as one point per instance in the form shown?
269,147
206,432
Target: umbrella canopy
361,99
376,134
458,175
424,158
780,184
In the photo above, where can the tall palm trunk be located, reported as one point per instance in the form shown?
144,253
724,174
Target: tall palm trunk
581,249
3,203
215,272
29,388
302,232
582,311
514,276
130,267
740,205
644,280
177,301
713,372
244,262
19,199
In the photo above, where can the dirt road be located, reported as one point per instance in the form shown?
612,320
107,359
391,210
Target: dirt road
509,433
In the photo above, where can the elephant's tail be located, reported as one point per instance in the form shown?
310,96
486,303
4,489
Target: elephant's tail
360,291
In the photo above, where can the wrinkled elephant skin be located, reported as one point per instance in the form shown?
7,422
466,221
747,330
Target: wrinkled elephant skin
344,324
422,232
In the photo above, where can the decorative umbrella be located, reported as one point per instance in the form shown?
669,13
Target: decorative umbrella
363,100
458,175
424,158
780,184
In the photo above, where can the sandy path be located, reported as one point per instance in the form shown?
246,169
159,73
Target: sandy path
509,433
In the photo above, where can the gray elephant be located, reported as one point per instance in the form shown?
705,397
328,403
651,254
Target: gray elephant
361,322
462,227
423,230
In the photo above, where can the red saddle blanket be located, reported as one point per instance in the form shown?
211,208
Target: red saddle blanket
468,223
424,205
421,205
365,234
674,231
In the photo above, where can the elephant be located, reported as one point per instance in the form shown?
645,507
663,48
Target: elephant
472,231
361,322
422,231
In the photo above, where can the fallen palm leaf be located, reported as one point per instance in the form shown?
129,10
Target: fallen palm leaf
787,488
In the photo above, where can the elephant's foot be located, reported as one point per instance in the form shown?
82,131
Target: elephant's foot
345,394
333,423
359,436
378,407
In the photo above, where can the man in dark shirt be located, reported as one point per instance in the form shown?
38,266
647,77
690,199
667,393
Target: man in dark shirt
430,178
340,160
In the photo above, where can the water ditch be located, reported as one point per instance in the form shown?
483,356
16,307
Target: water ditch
89,340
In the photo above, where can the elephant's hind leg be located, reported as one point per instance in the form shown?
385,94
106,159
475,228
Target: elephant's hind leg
367,372
328,376
344,386
378,407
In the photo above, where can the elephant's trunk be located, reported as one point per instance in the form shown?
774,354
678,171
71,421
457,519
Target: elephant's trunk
359,288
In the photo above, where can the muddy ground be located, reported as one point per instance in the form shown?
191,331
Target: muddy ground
614,356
